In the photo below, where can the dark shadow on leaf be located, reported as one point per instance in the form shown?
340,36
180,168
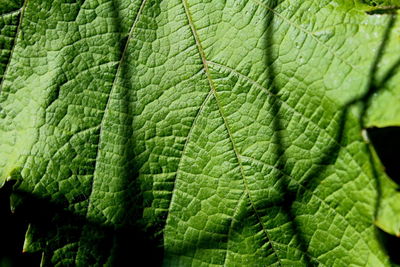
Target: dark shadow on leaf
330,154
289,194
56,226
373,87
385,141
13,227
390,243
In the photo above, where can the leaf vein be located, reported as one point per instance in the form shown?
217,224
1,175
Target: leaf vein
17,33
212,86
308,190
187,142
123,56
265,90
261,4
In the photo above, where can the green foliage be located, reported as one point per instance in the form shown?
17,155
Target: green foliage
382,2
199,133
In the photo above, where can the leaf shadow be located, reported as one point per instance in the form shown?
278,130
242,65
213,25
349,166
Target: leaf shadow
389,243
116,243
13,237
330,154
57,226
127,237
289,195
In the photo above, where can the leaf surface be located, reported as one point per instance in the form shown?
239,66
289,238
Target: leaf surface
220,132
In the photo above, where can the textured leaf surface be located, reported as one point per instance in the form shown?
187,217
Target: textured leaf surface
223,132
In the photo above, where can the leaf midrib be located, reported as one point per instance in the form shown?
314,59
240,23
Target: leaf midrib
212,87
205,63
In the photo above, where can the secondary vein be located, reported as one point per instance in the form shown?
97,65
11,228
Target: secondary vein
18,31
123,57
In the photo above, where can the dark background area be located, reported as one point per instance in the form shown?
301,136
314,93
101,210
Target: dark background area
386,142
13,227
51,219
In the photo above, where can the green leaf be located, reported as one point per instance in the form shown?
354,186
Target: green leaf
9,19
197,133
382,2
